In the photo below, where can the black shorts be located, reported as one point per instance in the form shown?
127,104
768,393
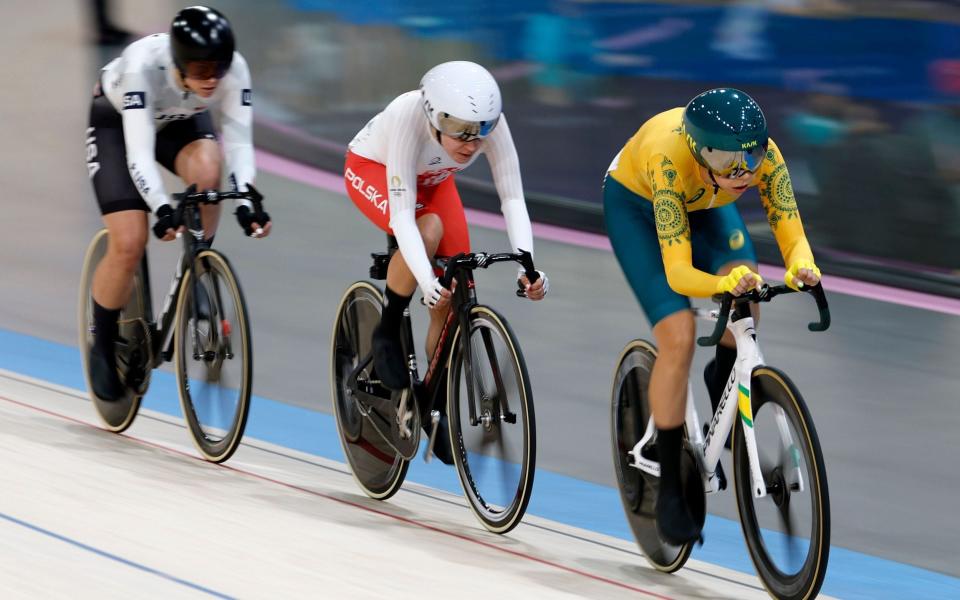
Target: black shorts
107,153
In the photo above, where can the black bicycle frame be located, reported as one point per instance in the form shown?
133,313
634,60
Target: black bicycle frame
188,214
458,319
460,268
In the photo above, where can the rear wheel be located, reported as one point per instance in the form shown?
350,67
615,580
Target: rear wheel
213,356
377,467
788,530
133,344
638,490
495,445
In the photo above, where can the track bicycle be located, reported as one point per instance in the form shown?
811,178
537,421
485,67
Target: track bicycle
476,388
779,473
203,328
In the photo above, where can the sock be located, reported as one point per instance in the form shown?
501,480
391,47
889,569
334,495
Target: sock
105,328
393,311
668,447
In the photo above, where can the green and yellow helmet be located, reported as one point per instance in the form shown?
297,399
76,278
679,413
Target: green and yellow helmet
726,131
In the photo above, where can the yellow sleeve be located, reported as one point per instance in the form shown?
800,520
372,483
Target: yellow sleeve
673,230
776,195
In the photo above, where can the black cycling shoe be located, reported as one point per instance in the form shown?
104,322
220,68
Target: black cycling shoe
104,377
441,445
674,522
388,360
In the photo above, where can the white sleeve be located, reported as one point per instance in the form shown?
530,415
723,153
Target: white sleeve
505,166
237,126
402,150
139,133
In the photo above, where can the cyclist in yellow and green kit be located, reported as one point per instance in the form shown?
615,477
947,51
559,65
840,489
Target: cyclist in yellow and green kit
668,204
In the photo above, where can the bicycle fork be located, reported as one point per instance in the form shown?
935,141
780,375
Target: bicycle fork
708,448
492,401
748,358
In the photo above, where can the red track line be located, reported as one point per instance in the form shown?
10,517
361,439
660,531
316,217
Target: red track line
406,520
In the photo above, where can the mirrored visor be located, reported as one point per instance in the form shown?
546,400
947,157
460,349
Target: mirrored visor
465,131
203,70
733,163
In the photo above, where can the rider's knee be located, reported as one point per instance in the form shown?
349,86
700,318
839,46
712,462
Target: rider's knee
431,230
675,336
204,169
128,247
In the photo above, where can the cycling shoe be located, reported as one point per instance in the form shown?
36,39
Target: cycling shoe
388,360
104,378
441,445
674,522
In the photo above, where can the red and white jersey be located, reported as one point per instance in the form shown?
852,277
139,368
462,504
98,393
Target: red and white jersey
401,138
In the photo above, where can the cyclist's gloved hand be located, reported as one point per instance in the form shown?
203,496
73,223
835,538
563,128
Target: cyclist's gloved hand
537,290
800,273
741,279
248,218
165,227
254,194
433,291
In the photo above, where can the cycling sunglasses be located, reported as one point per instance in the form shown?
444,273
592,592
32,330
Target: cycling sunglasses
465,131
733,163
205,69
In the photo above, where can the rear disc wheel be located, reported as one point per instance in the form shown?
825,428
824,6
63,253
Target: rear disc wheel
377,468
638,490
132,347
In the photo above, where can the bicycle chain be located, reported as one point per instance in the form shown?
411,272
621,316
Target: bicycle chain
148,337
367,412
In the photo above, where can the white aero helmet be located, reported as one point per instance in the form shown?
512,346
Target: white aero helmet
461,99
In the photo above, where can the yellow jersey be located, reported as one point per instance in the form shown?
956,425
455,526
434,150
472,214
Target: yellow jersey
657,165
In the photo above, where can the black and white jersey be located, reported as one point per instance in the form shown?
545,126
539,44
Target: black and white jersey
141,85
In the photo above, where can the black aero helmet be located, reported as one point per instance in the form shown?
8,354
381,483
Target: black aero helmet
726,131
201,34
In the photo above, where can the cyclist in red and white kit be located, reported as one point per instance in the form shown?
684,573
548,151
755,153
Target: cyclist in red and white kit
400,173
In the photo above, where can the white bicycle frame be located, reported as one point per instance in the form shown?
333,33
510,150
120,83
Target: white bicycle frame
708,449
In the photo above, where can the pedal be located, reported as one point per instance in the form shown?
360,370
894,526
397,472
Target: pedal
135,376
721,477
140,358
403,416
648,465
434,423
385,421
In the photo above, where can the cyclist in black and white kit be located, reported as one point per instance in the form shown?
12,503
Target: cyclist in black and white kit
153,105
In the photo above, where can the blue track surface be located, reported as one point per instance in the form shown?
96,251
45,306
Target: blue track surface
556,497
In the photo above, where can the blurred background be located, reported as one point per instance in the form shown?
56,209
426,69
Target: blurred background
863,97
